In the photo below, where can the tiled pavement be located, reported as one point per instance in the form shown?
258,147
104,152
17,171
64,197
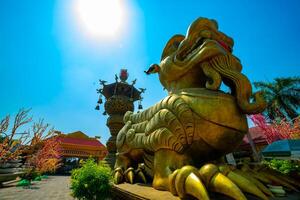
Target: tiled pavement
54,188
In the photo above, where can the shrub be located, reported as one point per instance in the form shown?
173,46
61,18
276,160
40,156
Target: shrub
91,181
44,177
39,178
23,182
283,166
30,174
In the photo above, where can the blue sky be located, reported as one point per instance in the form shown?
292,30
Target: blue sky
48,63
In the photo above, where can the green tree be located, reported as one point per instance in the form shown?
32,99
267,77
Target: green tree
282,96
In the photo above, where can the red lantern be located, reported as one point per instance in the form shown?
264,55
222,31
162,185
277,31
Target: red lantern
124,75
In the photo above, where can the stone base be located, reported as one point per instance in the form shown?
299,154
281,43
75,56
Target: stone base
127,191
146,192
10,176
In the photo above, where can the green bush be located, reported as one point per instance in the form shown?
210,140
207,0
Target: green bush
30,174
283,166
91,181
39,178
44,176
23,182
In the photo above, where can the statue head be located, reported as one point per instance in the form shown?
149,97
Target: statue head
203,59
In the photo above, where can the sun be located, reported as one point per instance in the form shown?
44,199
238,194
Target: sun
101,18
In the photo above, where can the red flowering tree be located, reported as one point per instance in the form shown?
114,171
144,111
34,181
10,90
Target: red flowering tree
43,152
274,130
38,144
12,143
47,157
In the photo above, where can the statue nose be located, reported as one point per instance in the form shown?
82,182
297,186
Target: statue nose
152,69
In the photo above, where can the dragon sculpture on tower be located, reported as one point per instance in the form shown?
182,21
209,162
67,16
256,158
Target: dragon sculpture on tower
177,141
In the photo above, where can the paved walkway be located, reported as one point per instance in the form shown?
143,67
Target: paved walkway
54,188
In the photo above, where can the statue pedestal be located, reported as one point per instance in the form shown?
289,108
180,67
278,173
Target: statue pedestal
127,191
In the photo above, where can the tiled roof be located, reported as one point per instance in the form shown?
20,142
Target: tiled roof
80,141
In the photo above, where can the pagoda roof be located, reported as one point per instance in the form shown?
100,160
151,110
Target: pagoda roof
121,88
79,138
80,141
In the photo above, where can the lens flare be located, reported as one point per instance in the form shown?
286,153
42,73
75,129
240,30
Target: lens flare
101,18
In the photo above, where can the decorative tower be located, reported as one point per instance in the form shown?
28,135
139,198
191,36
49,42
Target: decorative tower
119,98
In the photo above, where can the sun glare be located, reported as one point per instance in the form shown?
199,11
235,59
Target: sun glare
101,18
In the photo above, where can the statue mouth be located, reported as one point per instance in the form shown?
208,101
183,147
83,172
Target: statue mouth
184,54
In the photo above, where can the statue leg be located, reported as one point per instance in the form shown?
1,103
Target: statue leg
128,158
165,162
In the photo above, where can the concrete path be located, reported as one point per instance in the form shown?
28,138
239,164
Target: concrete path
54,188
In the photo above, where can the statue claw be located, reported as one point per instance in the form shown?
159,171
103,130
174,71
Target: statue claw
195,187
242,182
219,183
186,181
129,175
140,173
251,178
142,176
118,176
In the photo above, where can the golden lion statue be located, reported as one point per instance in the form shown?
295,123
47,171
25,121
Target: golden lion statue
176,141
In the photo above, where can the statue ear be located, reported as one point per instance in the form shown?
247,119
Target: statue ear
154,68
215,23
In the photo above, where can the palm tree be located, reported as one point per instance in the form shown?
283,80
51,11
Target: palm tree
282,97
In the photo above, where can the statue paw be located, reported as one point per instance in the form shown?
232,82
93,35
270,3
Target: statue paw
130,175
225,179
190,181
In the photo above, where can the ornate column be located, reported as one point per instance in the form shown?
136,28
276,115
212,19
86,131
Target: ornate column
119,98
